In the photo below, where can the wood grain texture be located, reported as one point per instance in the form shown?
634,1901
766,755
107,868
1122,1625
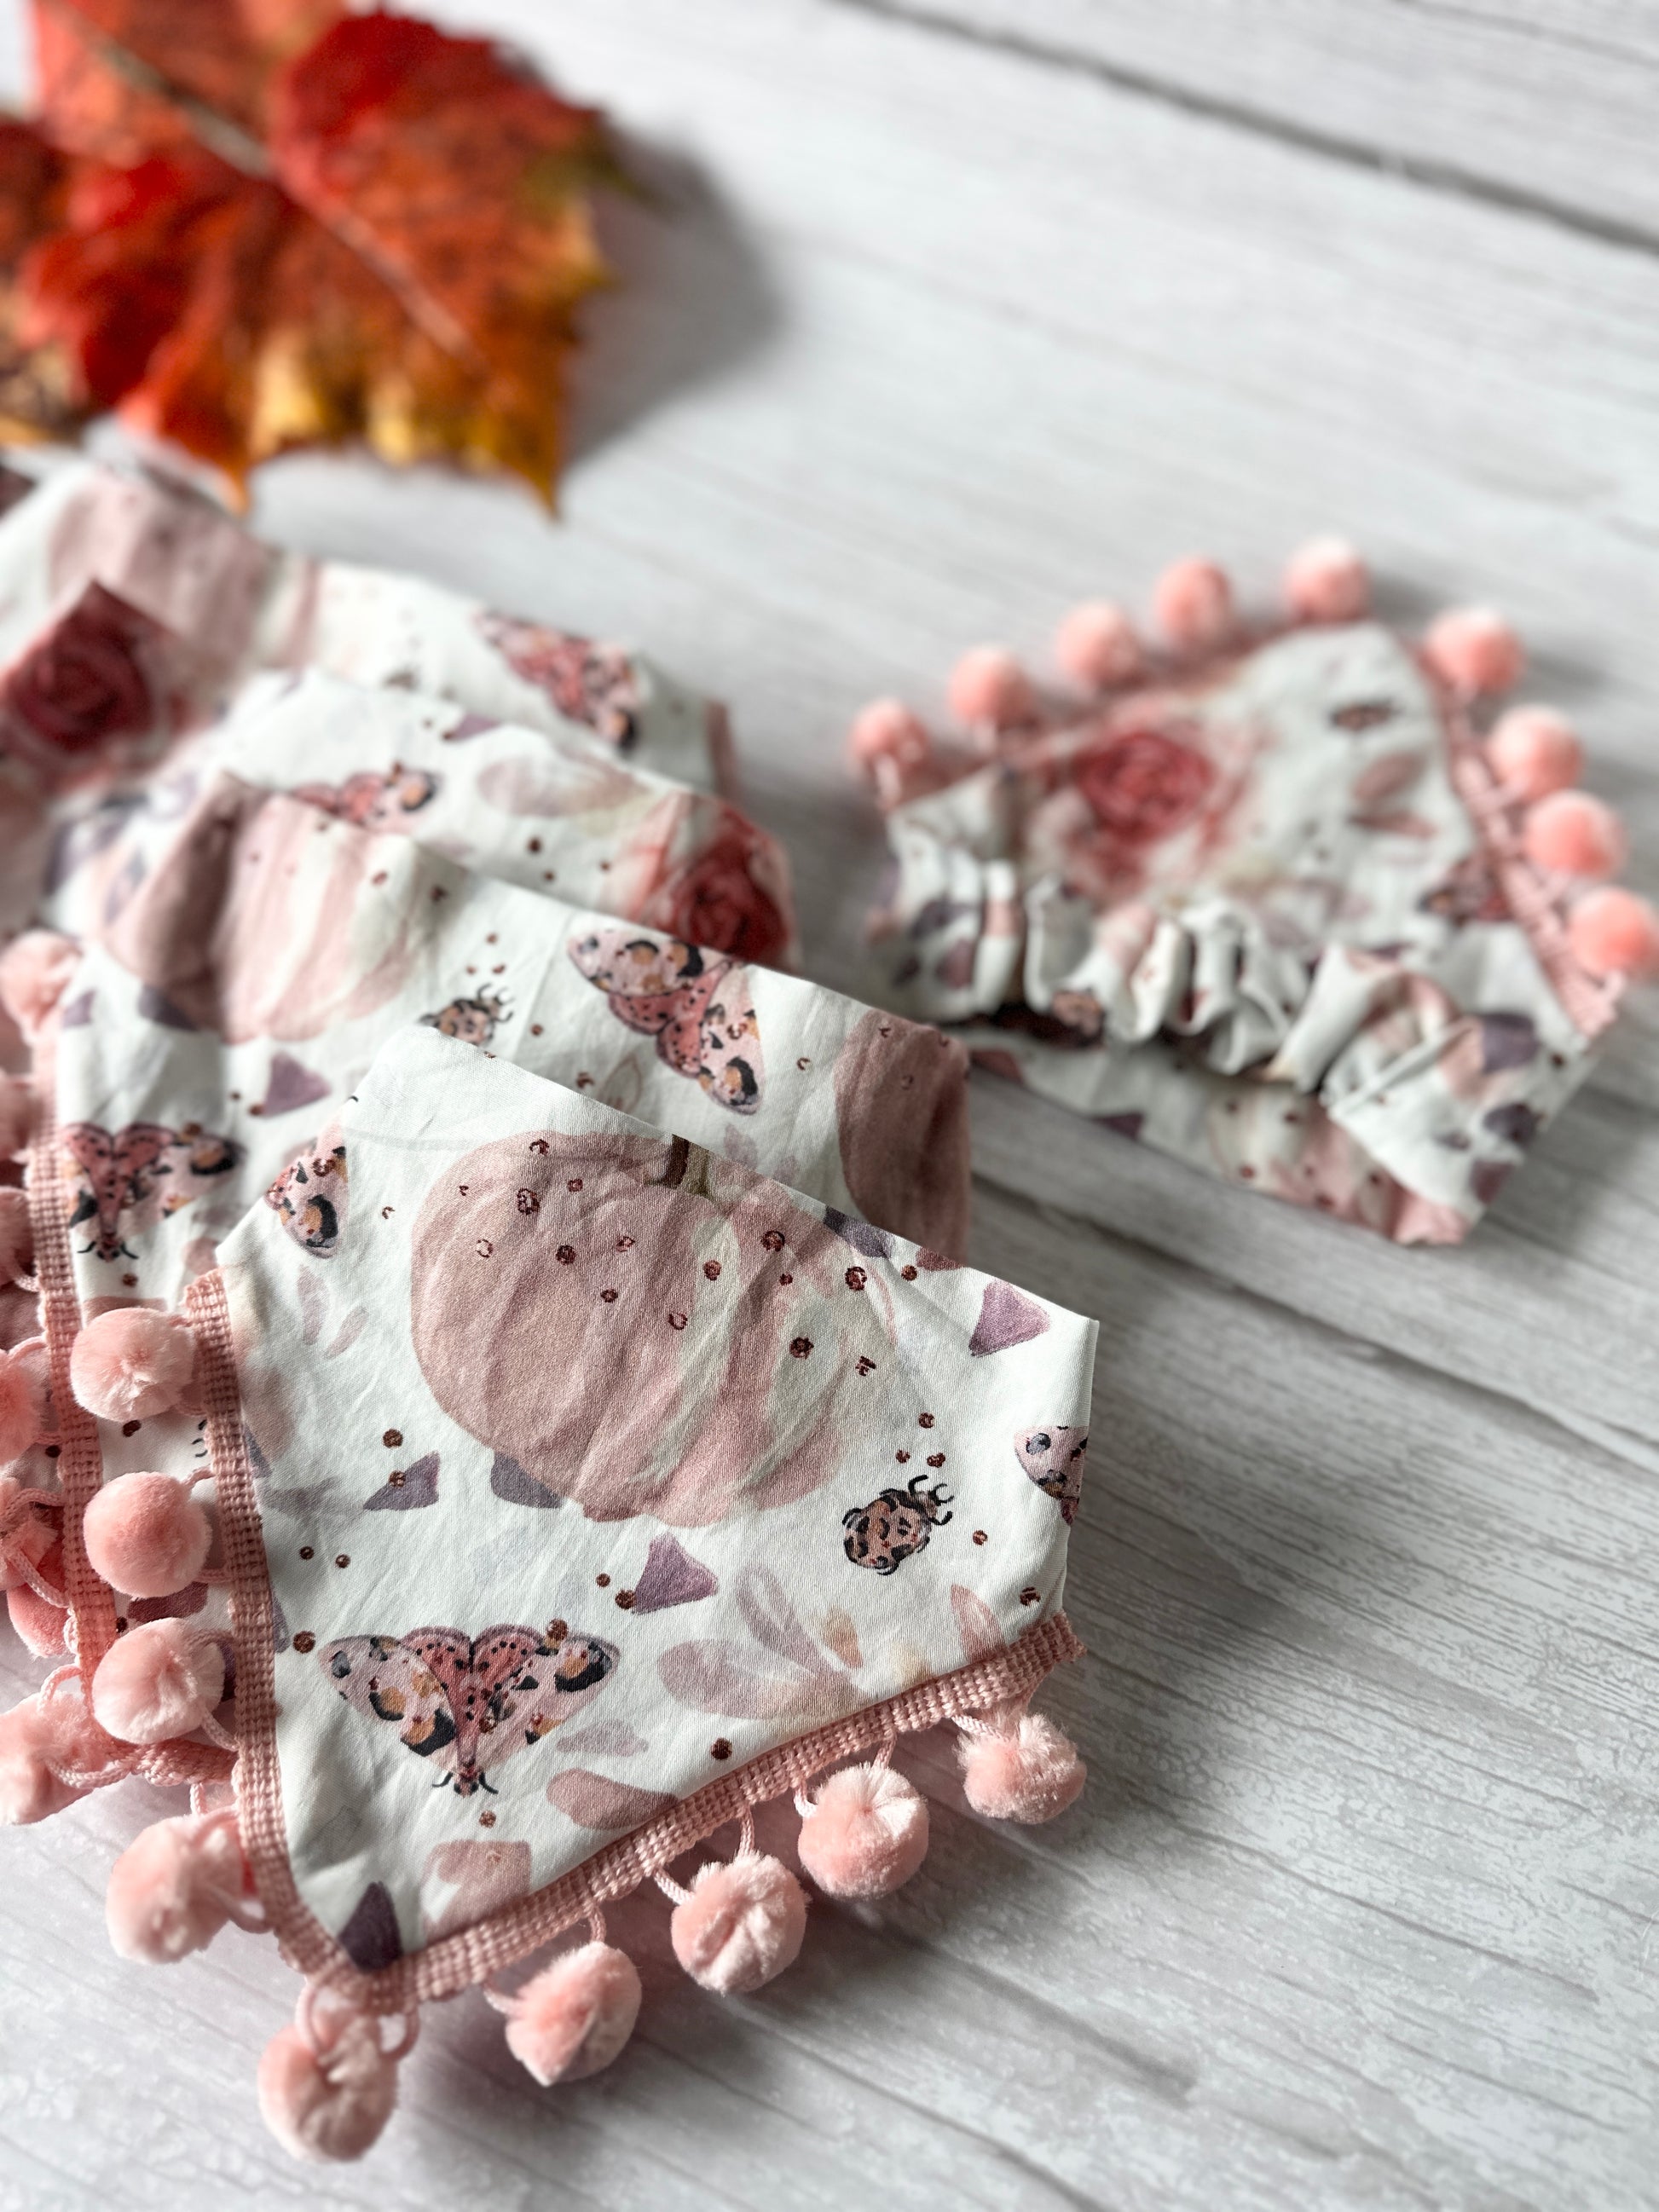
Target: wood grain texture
927,338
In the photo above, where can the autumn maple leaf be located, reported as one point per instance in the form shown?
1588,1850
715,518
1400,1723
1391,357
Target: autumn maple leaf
256,224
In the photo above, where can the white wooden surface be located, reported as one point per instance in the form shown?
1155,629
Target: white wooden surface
949,315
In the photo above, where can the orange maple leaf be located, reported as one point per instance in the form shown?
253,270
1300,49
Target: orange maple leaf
259,224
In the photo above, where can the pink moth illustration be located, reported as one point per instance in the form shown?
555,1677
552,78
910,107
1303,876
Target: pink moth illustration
128,1179
713,1347
697,1004
467,1702
374,798
591,683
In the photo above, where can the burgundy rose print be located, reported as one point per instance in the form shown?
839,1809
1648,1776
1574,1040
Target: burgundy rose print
1143,785
83,687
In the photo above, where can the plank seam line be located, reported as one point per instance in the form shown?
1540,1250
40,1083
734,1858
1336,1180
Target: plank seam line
1426,174
1538,1418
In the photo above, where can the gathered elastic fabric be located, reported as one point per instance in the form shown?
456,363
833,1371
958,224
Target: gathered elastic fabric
1269,906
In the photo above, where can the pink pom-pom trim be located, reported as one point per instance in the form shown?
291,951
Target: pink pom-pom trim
16,1237
575,2016
47,1744
23,1403
157,1681
743,1922
1027,1774
16,1116
330,2100
132,1363
175,1886
1613,933
989,688
1193,603
1533,751
33,970
1571,834
1097,645
26,1535
1326,582
145,1535
887,730
1474,651
865,1833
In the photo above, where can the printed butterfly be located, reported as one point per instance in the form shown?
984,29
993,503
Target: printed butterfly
122,1171
594,684
697,1004
469,1703
372,800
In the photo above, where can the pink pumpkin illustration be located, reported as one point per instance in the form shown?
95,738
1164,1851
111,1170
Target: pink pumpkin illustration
641,1327
268,919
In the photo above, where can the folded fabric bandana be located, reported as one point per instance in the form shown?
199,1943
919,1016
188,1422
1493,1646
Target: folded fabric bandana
130,611
577,1490
1269,902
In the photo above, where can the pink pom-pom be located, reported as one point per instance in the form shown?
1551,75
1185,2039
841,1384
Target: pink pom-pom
887,730
23,1403
331,2103
44,1743
132,1363
988,686
1533,752
16,1237
1572,834
867,1832
1096,644
1029,1775
1326,582
743,1922
26,1535
1192,604
159,1681
174,1886
145,1535
575,2015
16,1116
33,970
1474,651
1614,933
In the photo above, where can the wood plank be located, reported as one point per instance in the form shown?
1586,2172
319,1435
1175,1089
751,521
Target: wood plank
1360,1883
1544,104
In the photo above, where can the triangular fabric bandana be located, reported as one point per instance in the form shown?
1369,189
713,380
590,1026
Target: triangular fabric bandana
1278,900
577,1489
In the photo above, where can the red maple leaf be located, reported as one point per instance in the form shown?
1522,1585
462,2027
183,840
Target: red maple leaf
256,224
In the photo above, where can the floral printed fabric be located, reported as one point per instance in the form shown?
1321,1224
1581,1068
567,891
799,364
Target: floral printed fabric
549,811
1248,919
129,612
779,1470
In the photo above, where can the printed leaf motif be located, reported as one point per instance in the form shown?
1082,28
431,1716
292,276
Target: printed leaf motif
1006,1317
253,228
370,1938
407,1487
671,1576
976,1624
463,1882
714,1675
593,1800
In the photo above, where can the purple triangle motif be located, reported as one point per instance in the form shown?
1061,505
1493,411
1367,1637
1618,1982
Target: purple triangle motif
370,1938
416,1485
291,1085
509,1480
155,1006
671,1576
1006,1317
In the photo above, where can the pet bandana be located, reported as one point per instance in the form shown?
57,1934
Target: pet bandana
577,1488
130,611
1268,903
